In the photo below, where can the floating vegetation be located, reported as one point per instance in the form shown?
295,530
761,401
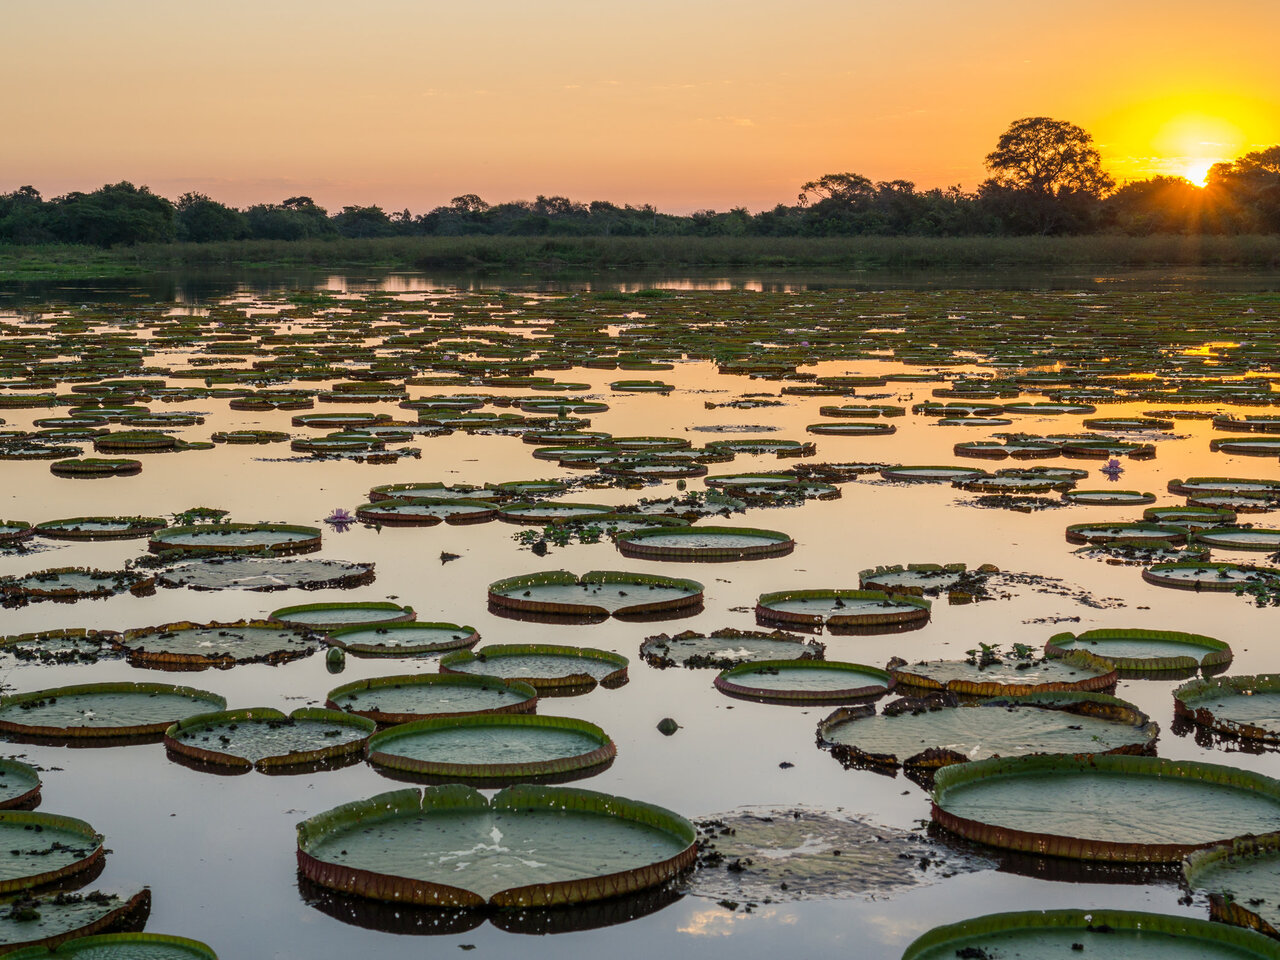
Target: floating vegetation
402,639
265,739
598,595
418,696
1109,498
45,848
560,846
926,733
100,528
704,544
49,920
991,672
196,646
862,611
1137,532
250,436
102,710
547,667
1239,706
727,647
334,616
261,574
1218,577
1142,652
19,787
434,491
780,855
493,749
424,512
1113,933
91,467
74,645
276,539
1082,807
931,580
1241,878
930,474
74,583
803,681
1239,538
123,946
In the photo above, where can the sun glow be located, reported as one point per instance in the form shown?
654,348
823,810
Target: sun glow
1197,170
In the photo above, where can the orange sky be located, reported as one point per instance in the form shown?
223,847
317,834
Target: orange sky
691,104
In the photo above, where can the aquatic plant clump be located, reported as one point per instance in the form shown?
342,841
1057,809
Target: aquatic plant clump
596,595
704,544
1092,808
1138,652
418,696
1241,706
264,738
803,681
489,749
547,667
560,846
727,647
1125,935
275,539
936,730
401,639
842,609
103,710
44,848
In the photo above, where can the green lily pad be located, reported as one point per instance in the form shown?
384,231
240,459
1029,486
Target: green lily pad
265,574
194,646
19,786
1141,652
595,595
862,610
803,681
119,709
402,639
42,848
419,696
49,920
490,749
1008,675
547,667
1123,935
1241,706
726,648
335,616
1098,807
277,539
559,846
1242,879
702,543
122,946
266,739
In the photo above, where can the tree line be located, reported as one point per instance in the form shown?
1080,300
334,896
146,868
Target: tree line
1045,178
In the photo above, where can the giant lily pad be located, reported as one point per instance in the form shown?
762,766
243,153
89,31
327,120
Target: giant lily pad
559,846
335,616
15,531
1098,808
552,511
266,739
1194,575
1243,882
934,731
547,667
95,467
119,709
194,646
843,610
19,786
122,946
1142,652
75,583
492,749
99,528
1135,532
1240,538
266,574
706,544
803,681
277,539
595,596
402,639
424,512
418,696
727,648
1123,935
43,848
49,920
1241,706
433,491
1015,674
74,645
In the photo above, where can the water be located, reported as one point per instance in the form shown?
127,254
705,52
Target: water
219,852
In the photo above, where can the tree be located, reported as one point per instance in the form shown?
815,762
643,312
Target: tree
836,189
1048,158
118,213
201,220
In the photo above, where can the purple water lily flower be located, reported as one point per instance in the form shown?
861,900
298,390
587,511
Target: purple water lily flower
340,520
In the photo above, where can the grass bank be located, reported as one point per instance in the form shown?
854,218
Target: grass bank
479,253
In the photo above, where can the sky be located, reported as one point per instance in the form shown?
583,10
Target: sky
686,105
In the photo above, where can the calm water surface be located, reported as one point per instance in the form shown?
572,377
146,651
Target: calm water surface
219,851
